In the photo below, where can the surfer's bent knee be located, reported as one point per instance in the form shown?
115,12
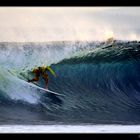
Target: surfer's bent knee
36,78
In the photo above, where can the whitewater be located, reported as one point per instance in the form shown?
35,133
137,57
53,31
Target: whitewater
100,83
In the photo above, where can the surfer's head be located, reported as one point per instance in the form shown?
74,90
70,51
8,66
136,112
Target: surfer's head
42,69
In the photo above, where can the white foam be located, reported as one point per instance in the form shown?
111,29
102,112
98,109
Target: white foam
70,129
17,89
32,54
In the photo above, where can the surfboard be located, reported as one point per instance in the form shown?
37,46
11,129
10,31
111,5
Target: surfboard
43,89
47,90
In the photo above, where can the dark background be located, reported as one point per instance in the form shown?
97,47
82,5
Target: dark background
73,3
69,2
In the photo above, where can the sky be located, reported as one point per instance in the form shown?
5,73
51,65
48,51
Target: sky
39,24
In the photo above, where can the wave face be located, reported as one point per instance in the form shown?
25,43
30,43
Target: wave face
100,83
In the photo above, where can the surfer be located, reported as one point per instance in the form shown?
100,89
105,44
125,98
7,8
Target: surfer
41,71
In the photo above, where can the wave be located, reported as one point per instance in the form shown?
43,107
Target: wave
101,83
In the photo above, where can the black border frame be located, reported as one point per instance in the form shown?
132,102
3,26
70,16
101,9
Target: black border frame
68,3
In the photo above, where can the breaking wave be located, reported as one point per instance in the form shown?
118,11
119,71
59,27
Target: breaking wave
100,83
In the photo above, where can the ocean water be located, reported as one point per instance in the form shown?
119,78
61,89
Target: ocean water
100,85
